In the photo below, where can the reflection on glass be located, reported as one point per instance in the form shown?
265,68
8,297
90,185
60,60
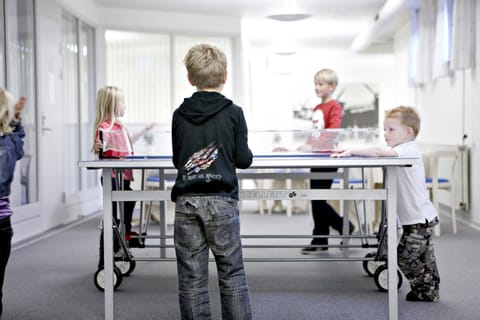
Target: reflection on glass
71,105
20,53
279,142
87,102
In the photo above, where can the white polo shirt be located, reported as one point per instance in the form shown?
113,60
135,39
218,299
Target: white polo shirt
413,202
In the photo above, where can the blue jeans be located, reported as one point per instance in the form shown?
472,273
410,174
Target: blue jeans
203,223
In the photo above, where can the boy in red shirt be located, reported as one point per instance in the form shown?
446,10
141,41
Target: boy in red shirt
327,115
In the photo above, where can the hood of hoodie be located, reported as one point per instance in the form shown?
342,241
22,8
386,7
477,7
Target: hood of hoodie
205,105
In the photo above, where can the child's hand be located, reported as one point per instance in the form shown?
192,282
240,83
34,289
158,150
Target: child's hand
142,133
98,145
341,154
19,107
305,148
150,127
280,149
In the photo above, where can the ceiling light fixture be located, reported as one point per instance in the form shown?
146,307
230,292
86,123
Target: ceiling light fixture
289,16
290,13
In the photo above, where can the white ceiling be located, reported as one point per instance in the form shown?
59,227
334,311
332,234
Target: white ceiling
333,22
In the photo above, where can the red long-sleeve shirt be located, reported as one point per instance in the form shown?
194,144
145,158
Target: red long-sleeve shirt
331,114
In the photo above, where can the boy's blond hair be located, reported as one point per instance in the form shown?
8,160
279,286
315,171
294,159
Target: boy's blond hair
108,101
408,116
206,66
326,76
7,112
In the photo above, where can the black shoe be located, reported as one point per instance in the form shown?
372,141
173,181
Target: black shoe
313,250
411,296
351,228
134,241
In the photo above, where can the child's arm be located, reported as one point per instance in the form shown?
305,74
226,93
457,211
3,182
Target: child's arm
19,107
366,152
140,134
243,155
18,130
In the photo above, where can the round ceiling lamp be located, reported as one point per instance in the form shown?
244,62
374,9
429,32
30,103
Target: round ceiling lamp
286,17
289,13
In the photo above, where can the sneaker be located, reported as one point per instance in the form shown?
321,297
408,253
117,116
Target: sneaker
313,250
135,242
411,296
128,235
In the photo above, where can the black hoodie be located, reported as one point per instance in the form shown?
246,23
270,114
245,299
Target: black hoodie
209,141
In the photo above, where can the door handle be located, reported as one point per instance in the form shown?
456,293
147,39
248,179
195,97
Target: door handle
44,129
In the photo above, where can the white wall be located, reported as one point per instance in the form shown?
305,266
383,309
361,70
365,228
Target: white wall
151,20
85,10
449,109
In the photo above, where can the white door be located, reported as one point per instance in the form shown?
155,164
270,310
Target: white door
50,114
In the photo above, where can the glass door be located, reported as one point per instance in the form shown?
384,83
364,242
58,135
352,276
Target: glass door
20,81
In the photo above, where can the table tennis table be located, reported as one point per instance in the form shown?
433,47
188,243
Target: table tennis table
288,161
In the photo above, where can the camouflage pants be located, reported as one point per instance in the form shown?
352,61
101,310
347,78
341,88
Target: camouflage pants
417,260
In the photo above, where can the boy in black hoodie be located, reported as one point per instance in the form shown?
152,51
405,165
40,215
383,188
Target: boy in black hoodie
209,141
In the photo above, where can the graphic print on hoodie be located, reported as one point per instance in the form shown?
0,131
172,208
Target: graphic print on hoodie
201,160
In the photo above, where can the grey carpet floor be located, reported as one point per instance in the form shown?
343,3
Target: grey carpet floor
52,278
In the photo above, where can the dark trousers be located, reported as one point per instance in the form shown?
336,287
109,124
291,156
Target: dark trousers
324,216
128,207
6,234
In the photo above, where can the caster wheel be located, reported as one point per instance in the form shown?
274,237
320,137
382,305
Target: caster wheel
371,266
126,266
381,278
99,278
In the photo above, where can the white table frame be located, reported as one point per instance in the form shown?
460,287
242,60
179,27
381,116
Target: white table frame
388,194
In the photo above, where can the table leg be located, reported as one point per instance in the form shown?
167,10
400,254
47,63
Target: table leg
391,185
163,216
108,243
344,206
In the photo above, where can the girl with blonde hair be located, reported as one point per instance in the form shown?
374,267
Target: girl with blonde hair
112,140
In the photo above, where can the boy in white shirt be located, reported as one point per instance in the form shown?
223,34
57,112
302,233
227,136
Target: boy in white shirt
415,211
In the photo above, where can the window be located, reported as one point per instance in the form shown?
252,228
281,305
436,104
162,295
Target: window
443,39
20,81
413,50
87,101
2,45
463,34
78,41
431,41
71,103
149,68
